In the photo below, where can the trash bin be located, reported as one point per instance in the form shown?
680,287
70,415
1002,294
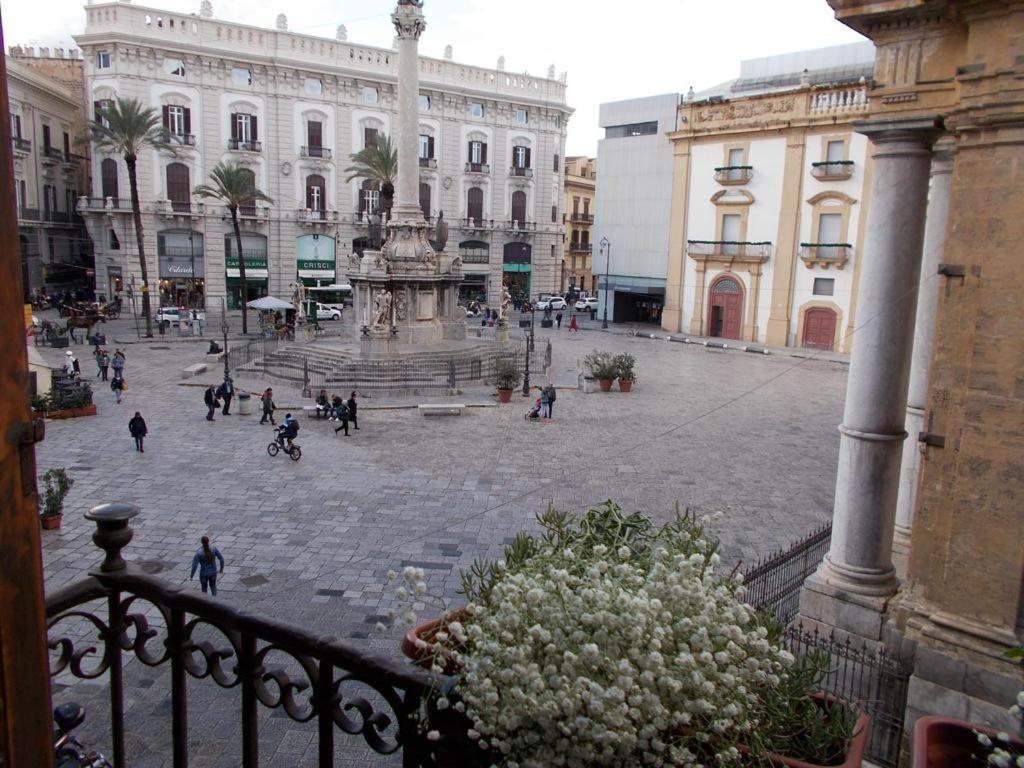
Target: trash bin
244,403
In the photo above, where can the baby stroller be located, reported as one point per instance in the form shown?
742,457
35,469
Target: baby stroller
534,412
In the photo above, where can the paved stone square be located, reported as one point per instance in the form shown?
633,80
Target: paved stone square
751,436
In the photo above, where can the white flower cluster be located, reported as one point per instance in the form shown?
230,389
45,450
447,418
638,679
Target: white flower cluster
615,661
1007,754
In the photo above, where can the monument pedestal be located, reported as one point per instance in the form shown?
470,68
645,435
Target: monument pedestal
501,330
376,341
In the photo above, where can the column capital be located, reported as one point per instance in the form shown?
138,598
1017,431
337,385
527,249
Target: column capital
408,20
942,155
923,131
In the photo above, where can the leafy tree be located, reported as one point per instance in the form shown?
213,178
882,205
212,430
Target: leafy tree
233,185
379,164
127,128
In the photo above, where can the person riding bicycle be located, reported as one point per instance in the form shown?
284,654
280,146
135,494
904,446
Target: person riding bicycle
287,431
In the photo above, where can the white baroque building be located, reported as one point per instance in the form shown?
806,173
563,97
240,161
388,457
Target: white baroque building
293,108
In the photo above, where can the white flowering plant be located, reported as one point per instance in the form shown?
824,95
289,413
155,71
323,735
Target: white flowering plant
608,641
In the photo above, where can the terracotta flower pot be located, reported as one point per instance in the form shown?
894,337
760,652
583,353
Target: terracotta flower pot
425,632
625,385
51,522
606,384
855,751
946,742
504,395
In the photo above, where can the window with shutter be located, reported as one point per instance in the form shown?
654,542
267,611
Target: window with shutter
475,204
179,191
554,214
369,197
554,165
46,138
369,137
248,208
316,188
255,135
188,120
315,133
425,200
108,174
67,145
519,207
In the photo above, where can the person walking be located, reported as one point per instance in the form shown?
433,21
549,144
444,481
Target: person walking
118,363
117,385
210,398
550,390
104,363
545,404
99,365
352,408
137,427
226,391
205,560
267,399
558,321
342,415
572,325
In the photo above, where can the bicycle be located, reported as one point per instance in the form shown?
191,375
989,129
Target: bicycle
294,452
68,751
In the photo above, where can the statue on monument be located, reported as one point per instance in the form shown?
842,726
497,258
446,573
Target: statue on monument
382,308
506,303
440,232
417,3
374,226
297,296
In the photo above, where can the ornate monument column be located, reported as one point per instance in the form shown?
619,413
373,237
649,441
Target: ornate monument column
407,291
924,342
851,587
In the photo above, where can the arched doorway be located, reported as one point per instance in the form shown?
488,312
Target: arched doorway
725,313
819,328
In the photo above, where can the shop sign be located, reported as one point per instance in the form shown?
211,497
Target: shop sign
179,266
315,256
255,266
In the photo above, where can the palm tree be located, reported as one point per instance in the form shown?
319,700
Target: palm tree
127,128
377,163
235,186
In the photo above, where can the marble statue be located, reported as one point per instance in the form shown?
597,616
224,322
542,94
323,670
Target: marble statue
441,232
374,227
382,308
297,296
506,303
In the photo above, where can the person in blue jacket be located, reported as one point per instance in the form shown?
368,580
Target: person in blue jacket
205,560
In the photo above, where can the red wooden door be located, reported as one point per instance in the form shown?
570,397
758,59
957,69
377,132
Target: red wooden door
726,315
819,328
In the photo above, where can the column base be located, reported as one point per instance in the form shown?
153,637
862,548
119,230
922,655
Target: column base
901,550
828,606
501,331
777,333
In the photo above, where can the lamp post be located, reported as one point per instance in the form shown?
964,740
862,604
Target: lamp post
224,330
606,249
529,349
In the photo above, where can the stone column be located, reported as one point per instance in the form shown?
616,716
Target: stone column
857,576
924,342
409,24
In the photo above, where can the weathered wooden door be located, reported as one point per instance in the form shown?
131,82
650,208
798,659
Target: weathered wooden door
819,328
726,314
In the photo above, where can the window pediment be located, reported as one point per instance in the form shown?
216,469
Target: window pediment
732,197
831,199
173,99
243,107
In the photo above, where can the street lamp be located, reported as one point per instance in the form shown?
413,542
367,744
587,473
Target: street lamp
529,350
606,249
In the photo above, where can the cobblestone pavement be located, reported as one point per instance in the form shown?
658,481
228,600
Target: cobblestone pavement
751,436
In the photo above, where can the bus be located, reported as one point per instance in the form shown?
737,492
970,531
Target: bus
339,296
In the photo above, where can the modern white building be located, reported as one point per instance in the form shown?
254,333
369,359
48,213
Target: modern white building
292,108
633,205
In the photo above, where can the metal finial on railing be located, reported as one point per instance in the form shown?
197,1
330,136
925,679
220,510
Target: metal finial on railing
112,531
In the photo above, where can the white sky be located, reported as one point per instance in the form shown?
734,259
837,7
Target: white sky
611,50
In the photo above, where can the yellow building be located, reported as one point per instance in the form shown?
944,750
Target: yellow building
769,202
580,183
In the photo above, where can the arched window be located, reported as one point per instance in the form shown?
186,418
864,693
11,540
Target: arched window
475,204
316,193
425,200
108,172
519,207
249,208
179,191
369,197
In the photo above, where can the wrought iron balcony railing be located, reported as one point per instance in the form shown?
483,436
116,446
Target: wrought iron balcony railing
123,611
52,155
832,170
581,247
21,145
826,255
471,222
70,158
478,168
729,250
476,258
244,146
103,204
727,175
517,171
582,218
515,225
322,152
428,162
312,216
184,139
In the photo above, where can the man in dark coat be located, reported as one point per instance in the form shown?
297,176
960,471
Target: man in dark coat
210,398
137,427
352,409
225,392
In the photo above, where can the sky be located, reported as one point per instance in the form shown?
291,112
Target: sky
611,50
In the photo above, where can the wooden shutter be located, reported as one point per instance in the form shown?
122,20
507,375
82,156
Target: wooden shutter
97,110
255,133
483,153
166,112
108,173
425,200
369,137
314,133
188,120
67,144
46,137
527,156
234,127
469,154
430,146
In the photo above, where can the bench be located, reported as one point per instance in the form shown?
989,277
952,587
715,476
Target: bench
442,409
313,411
193,370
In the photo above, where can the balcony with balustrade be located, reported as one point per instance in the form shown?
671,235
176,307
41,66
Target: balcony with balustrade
318,153
483,168
578,247
52,156
515,170
316,219
21,146
733,175
476,224
825,255
428,162
729,251
239,145
179,209
179,139
832,170
104,205
582,219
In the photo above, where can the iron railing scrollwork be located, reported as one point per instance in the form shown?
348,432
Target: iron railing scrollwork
339,686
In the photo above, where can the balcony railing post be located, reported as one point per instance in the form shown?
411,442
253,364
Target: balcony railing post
248,673
179,690
325,701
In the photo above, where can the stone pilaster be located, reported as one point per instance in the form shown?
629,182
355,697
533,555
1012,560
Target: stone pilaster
852,586
924,338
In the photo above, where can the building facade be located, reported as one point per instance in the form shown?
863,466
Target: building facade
633,205
292,109
578,216
769,202
50,171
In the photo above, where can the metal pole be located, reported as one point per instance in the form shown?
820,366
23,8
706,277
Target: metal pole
192,277
529,348
224,330
606,246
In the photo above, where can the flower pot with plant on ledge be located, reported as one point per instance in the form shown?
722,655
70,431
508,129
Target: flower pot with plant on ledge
506,378
56,485
601,365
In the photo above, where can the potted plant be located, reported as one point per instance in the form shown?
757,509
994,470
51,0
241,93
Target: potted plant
56,486
601,365
606,640
624,370
506,378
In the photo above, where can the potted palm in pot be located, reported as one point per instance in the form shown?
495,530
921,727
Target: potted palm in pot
506,378
601,365
625,365
56,485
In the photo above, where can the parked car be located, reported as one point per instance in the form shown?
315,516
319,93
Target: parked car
324,312
586,304
174,314
554,303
